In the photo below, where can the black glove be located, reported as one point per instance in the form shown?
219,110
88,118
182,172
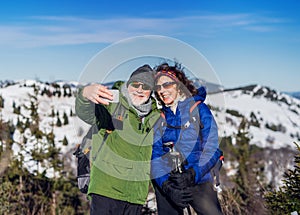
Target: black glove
184,179
180,197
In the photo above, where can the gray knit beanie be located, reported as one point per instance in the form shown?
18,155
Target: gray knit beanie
143,74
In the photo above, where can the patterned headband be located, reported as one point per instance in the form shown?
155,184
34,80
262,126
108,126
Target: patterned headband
171,74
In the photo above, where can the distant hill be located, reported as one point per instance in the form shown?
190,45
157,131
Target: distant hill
274,116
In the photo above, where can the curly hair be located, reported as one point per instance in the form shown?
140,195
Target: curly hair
185,85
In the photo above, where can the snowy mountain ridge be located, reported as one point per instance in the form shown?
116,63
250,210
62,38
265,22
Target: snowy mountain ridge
274,117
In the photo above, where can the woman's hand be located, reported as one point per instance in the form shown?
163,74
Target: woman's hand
184,179
97,93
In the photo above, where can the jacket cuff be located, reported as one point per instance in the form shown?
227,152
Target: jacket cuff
198,175
81,97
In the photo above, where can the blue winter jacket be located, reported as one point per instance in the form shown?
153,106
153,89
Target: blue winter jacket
199,147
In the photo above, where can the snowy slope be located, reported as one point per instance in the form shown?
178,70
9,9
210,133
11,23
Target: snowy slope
274,125
18,94
277,115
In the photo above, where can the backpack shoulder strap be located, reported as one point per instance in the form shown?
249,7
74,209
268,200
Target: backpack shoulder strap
194,106
195,118
85,145
194,114
118,115
162,114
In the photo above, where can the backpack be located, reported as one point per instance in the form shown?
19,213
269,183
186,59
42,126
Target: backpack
83,150
195,119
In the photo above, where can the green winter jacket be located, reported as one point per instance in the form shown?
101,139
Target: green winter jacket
121,168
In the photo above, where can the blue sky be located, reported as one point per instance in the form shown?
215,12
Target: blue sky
246,42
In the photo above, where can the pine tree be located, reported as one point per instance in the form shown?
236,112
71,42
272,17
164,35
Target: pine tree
287,198
249,177
65,91
17,110
19,124
65,141
11,194
58,122
6,131
1,102
37,151
66,120
52,112
27,123
245,196
54,155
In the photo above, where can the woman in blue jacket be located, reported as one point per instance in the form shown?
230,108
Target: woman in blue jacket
185,146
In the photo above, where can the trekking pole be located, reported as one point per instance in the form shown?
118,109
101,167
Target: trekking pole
177,167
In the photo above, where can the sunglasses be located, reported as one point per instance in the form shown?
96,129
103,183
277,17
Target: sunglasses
137,85
166,85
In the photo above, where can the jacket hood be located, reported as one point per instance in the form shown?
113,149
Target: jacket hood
201,95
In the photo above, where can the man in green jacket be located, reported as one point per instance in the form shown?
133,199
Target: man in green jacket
120,167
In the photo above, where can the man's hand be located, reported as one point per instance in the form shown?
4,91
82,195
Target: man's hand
184,179
96,92
180,197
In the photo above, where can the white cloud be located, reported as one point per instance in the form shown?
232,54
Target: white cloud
260,28
50,30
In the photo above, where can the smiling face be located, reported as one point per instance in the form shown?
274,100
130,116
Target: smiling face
167,89
139,93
